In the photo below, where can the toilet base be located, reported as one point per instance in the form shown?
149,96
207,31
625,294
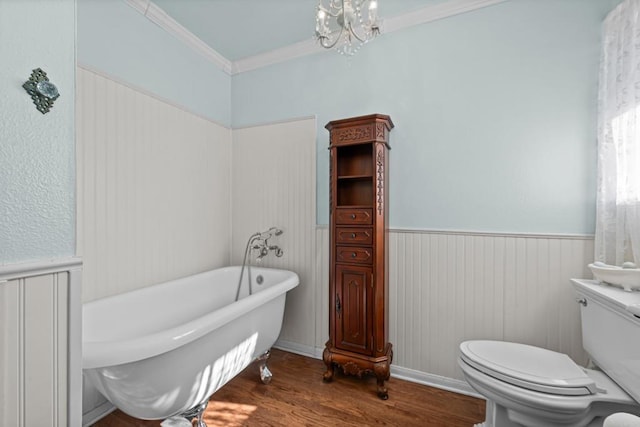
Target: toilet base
499,416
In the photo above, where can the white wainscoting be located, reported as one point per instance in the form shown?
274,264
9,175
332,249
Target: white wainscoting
40,344
274,174
449,287
153,189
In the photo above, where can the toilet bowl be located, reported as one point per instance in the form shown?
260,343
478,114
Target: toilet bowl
531,386
535,387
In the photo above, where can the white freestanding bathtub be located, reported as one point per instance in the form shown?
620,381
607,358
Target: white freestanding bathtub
162,350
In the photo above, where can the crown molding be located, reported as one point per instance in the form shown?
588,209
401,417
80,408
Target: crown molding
434,13
286,53
306,47
159,17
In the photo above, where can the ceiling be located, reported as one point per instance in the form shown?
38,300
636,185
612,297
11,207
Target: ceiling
241,28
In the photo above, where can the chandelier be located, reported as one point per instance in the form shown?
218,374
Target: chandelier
346,24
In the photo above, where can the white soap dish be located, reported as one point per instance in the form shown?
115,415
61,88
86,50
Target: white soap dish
627,278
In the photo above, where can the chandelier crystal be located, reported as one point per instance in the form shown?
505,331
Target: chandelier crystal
346,24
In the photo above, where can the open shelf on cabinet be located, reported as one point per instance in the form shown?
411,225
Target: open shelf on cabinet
355,191
355,161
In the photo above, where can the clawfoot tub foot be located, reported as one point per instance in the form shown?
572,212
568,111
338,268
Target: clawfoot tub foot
196,412
265,373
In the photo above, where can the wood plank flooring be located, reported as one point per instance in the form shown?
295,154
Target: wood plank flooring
297,396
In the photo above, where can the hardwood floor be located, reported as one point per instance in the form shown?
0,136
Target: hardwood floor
297,396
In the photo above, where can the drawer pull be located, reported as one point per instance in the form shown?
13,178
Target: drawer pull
353,216
353,255
353,235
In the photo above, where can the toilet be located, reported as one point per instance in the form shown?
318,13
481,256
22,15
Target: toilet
535,387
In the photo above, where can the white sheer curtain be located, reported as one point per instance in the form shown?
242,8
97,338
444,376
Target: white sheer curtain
618,196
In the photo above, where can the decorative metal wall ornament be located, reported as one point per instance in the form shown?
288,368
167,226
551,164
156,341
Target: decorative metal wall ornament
42,91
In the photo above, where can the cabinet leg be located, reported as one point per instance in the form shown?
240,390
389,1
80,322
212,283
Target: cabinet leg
328,375
382,390
382,371
326,357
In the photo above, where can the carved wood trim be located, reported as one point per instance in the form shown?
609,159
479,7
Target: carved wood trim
380,180
331,183
351,368
353,134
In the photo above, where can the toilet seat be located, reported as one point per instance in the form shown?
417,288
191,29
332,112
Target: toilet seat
528,367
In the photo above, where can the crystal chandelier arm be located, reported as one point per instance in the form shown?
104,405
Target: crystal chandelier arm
333,10
328,12
323,34
371,26
335,42
355,34
336,6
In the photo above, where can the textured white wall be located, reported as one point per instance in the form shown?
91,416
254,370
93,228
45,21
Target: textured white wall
36,151
153,189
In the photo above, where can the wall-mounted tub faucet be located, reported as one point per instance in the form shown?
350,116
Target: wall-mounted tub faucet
258,242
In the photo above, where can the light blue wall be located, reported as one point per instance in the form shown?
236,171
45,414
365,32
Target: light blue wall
117,40
37,170
495,114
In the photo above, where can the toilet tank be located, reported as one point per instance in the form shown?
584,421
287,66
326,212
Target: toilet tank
611,331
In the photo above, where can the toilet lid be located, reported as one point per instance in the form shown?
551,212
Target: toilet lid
528,367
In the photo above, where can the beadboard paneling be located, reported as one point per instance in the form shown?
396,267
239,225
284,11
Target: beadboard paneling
445,288
322,288
274,185
40,345
153,189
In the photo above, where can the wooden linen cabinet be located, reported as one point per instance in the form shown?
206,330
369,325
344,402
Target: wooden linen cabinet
358,276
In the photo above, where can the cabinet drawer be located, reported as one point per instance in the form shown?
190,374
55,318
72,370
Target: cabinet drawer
354,216
361,236
355,255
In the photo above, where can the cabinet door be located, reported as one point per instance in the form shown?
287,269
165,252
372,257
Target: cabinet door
353,308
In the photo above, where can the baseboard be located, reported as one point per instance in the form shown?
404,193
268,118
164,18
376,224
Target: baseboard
97,413
431,380
402,373
301,349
